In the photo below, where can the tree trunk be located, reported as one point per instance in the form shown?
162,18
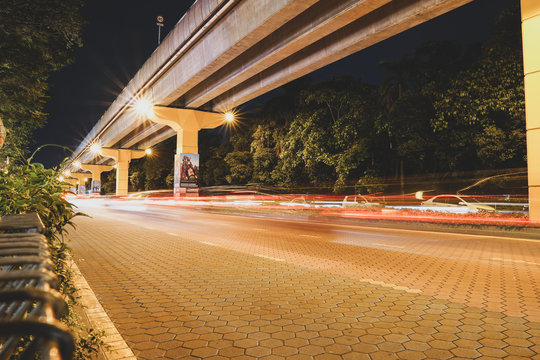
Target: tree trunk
2,133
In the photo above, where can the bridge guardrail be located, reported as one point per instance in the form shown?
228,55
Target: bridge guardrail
30,304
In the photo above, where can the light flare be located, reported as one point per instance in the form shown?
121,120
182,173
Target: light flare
96,148
229,116
144,108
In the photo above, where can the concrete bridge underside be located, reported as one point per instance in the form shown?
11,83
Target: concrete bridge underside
223,53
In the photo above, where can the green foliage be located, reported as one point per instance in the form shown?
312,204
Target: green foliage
497,146
37,37
264,154
212,151
214,169
483,107
108,183
446,110
29,187
328,139
88,344
169,180
240,159
136,180
240,167
152,172
369,184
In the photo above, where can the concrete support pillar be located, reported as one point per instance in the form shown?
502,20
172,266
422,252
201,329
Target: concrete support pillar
123,158
530,16
186,123
96,171
122,177
82,178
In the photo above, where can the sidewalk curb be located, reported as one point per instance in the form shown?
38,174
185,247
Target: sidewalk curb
114,347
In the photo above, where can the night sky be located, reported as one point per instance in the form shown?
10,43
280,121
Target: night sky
121,35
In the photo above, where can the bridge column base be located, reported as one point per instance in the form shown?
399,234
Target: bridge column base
123,158
81,182
122,177
96,171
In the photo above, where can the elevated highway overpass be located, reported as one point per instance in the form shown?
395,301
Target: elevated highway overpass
223,53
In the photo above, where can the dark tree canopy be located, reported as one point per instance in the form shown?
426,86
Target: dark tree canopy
37,37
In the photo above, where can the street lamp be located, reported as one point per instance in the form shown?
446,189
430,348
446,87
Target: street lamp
96,148
229,116
144,107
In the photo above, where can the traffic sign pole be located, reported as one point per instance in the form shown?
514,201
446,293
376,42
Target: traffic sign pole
159,22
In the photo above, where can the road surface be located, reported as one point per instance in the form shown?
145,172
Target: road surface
187,283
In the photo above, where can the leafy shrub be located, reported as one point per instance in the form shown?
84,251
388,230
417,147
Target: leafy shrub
29,187
369,184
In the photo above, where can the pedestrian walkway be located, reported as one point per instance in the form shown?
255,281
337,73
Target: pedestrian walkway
173,297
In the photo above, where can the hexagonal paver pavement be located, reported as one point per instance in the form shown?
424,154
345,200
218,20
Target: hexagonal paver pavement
171,296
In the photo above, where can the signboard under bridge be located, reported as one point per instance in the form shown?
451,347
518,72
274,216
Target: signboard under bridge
186,173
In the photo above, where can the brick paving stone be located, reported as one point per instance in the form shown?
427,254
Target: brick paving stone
465,353
411,355
383,355
391,347
171,296
284,351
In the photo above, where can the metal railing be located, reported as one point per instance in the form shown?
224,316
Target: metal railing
30,305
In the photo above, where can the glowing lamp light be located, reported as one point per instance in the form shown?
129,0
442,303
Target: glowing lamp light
143,107
66,173
229,116
95,148
77,164
148,151
60,178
